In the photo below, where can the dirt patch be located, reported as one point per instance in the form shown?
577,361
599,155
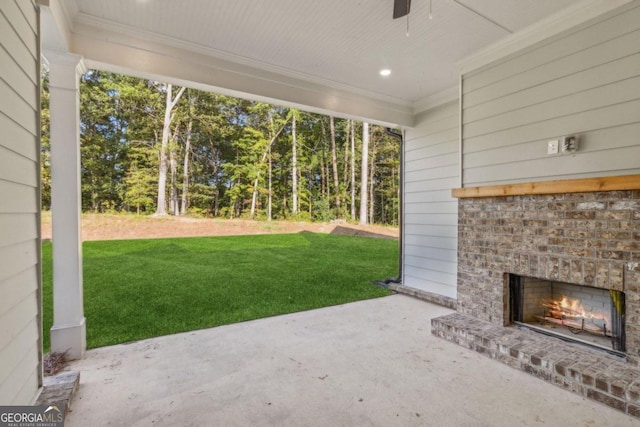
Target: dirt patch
113,227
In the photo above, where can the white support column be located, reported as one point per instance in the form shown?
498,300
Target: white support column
69,330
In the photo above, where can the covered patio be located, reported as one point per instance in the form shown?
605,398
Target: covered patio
370,363
487,93
332,58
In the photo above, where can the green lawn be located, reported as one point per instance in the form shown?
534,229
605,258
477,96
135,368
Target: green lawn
135,289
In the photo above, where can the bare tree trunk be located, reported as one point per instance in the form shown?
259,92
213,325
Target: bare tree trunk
269,205
173,165
334,163
216,193
363,174
345,168
173,168
94,195
161,208
254,199
323,177
372,198
327,174
294,167
353,171
187,151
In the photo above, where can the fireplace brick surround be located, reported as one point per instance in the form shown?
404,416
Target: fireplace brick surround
589,238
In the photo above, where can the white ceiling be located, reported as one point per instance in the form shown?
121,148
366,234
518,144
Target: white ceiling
337,44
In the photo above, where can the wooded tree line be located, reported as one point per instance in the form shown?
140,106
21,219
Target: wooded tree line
149,147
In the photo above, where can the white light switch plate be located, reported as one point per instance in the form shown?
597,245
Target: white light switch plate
552,146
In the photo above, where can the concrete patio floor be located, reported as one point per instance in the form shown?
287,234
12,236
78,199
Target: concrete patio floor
369,363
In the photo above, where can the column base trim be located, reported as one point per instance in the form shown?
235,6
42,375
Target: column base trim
71,339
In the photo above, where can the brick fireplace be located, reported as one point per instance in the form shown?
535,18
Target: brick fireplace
555,232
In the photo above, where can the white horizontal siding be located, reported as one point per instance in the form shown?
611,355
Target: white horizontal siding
584,82
25,376
15,320
441,254
600,31
417,279
20,322
428,207
607,73
16,351
17,287
596,98
22,112
430,213
18,198
433,172
16,77
17,228
448,146
17,168
413,236
13,137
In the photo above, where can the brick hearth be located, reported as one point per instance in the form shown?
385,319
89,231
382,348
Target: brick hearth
590,239
593,374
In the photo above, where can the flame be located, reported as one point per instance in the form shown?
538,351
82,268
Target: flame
570,307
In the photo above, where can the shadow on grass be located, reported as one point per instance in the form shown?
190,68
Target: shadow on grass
349,231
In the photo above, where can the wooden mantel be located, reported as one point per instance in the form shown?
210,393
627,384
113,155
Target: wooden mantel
584,185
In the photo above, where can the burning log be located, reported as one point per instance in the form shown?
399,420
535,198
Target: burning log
578,325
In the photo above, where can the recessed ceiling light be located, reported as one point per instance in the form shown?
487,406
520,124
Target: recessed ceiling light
385,72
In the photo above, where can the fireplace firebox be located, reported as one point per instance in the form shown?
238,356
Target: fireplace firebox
582,314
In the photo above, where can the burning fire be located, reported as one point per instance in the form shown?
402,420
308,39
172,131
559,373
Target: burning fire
569,308
569,313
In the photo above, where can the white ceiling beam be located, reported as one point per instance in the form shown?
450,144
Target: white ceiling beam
55,29
112,51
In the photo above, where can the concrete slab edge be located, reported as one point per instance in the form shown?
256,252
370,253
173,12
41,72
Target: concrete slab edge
424,295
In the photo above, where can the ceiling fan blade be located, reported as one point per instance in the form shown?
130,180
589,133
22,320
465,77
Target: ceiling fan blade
401,8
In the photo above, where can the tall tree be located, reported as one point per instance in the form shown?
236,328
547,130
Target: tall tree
363,173
294,165
102,150
270,188
173,169
169,115
353,171
372,181
193,98
256,181
45,142
334,164
140,177
345,163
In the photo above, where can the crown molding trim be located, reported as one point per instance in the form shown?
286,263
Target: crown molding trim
444,97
